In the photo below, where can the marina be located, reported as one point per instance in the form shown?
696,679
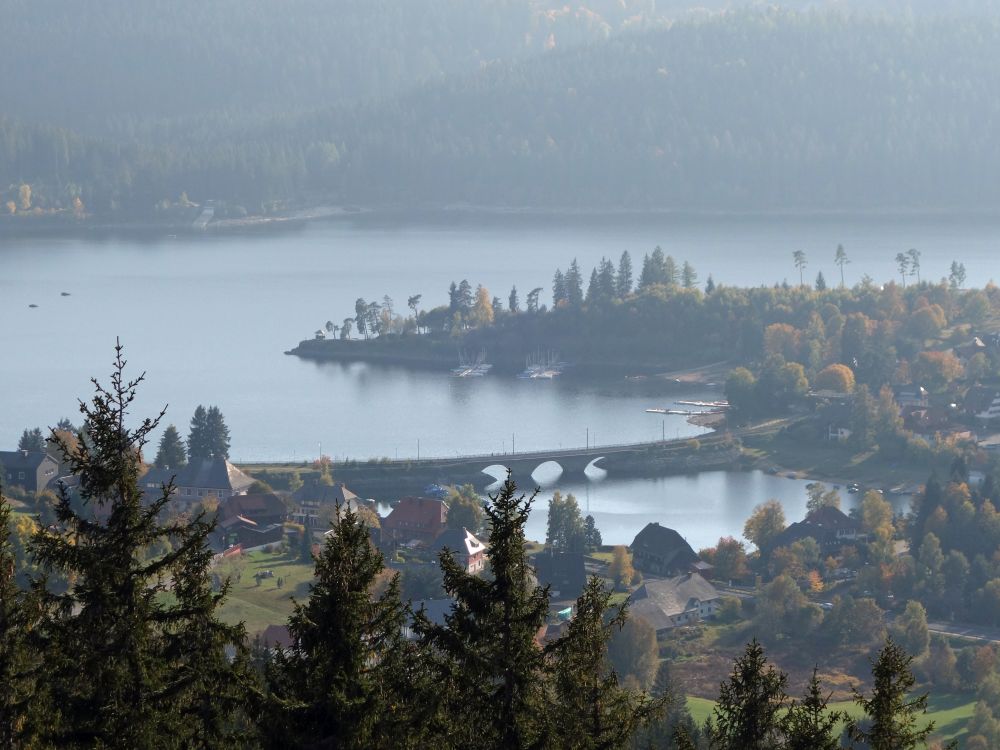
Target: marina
476,368
542,367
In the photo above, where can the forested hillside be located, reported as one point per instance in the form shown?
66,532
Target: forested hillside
123,62
434,103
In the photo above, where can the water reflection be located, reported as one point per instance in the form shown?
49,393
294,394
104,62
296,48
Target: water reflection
702,507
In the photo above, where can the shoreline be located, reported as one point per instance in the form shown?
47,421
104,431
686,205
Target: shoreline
444,358
298,218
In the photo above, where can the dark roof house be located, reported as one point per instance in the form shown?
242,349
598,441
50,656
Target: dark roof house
982,402
829,526
658,550
317,493
564,573
264,508
211,477
31,470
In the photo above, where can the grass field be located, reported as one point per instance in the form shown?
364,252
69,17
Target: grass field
949,712
260,606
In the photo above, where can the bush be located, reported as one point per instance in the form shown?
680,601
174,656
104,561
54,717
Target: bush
730,610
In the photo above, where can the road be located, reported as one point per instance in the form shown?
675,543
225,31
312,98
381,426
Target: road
964,630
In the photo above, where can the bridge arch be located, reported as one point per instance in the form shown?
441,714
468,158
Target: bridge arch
497,471
547,472
594,471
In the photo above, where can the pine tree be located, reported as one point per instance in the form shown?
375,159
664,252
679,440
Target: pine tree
809,725
674,727
217,697
491,672
574,284
689,277
31,441
513,303
591,709
682,738
218,434
198,442
591,535
341,683
747,715
671,276
709,285
891,712
593,288
109,678
606,282
623,281
559,293
171,452
15,690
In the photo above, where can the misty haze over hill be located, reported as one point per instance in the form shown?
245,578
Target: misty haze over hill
636,104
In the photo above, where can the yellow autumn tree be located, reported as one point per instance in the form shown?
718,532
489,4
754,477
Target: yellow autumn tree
482,311
621,570
24,194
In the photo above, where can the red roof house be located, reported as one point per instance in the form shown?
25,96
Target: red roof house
416,519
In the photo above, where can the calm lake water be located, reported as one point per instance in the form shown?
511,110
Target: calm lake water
701,507
208,319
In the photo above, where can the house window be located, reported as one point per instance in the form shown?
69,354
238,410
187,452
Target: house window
20,475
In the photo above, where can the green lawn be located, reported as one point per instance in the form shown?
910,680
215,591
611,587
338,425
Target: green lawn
949,712
260,606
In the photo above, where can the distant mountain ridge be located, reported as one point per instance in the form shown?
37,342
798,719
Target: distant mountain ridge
743,110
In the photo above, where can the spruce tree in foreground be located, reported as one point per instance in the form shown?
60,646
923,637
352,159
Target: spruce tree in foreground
111,673
15,690
892,722
342,684
809,725
217,694
591,710
491,672
748,713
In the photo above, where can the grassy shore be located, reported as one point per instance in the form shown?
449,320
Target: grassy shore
834,463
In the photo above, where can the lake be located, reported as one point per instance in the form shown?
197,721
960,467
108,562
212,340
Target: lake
702,507
208,319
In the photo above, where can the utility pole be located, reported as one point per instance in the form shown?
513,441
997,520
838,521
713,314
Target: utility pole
588,438
512,443
663,431
418,449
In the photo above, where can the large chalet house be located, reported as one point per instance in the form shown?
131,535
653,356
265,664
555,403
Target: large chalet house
314,504
463,544
983,403
660,551
829,526
32,471
415,519
208,478
673,602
